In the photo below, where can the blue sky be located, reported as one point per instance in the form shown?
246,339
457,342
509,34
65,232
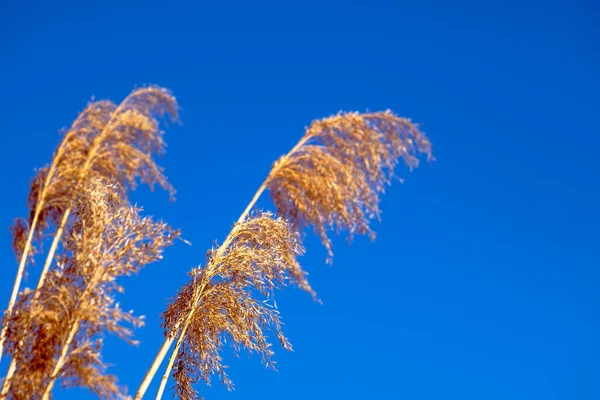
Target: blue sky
483,281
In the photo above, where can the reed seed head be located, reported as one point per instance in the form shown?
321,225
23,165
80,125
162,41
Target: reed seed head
333,180
261,256
106,239
127,146
117,143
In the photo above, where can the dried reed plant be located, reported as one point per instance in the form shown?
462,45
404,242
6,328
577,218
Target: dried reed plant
58,337
331,180
261,257
51,189
106,140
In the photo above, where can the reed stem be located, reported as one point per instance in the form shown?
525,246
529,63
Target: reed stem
56,240
169,341
17,284
27,247
61,360
6,385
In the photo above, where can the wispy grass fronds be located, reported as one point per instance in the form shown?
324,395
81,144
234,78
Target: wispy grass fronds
50,189
331,180
125,150
53,186
261,257
107,141
58,337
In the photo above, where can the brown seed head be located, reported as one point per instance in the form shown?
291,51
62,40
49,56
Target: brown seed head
107,239
117,143
131,139
333,180
261,257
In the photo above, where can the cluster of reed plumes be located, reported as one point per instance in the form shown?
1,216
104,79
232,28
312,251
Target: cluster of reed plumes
55,331
106,239
219,299
330,181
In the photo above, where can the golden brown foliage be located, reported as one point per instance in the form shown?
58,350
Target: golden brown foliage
330,180
107,141
59,336
125,148
52,186
260,257
333,179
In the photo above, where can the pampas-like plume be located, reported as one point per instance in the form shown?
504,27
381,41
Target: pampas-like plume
331,180
52,187
122,151
59,336
106,140
261,257
334,178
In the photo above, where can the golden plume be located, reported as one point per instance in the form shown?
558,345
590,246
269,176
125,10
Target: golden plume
58,334
261,257
331,180
51,189
106,141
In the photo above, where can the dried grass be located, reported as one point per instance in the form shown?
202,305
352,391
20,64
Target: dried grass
51,190
107,143
331,180
53,186
260,258
59,336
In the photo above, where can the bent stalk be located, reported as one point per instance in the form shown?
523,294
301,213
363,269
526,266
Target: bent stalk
27,247
169,341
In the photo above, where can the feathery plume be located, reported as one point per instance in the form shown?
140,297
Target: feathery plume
331,180
260,258
50,188
108,141
59,336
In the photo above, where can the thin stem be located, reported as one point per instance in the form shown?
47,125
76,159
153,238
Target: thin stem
27,247
265,184
53,247
60,362
50,257
32,228
197,295
36,296
97,275
165,377
88,163
7,380
95,147
52,250
168,341
160,356
17,284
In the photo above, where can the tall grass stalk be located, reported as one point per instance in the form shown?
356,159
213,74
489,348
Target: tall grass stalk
330,180
94,112
106,140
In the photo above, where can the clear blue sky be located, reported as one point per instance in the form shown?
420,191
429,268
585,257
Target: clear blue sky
483,282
